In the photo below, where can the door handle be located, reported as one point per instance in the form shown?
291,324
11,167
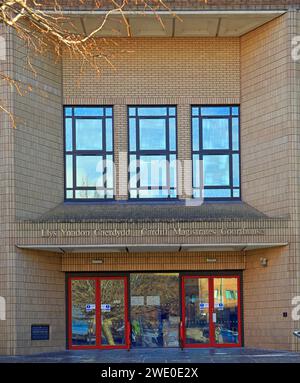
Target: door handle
181,330
128,332
214,318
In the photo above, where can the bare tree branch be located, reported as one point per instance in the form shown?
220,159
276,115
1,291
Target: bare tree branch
43,31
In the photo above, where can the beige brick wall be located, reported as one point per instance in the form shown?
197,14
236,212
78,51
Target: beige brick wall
154,261
267,295
31,172
39,299
7,335
270,176
38,142
265,129
159,70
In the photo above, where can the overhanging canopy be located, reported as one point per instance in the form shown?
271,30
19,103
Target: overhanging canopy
150,248
180,24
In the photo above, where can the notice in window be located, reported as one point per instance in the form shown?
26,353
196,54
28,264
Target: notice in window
153,300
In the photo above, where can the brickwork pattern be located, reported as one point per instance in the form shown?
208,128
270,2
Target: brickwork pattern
190,4
269,135
154,261
31,161
265,140
267,295
7,328
38,149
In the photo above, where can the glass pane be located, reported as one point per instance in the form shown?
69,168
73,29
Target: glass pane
196,138
173,171
108,112
153,171
88,111
150,111
236,169
155,313
109,172
132,134
68,112
235,134
173,193
109,193
109,135
69,194
112,312
83,312
196,193
172,133
195,111
132,172
196,310
215,111
88,134
69,171
68,134
226,309
89,171
216,170
172,111
153,134
235,111
132,111
216,193
154,193
90,194
215,133
236,193
196,170
133,193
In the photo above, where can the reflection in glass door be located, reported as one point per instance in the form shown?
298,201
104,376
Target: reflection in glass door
98,316
226,309
154,309
83,312
211,311
196,311
113,312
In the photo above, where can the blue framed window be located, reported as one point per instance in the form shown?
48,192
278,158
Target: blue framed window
152,152
216,152
88,134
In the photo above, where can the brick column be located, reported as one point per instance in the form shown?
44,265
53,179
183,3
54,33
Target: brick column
121,152
184,178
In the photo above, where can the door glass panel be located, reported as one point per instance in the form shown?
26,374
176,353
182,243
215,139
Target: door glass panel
226,310
112,312
83,312
154,309
196,310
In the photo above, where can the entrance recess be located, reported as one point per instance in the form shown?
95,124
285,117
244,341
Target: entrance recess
207,312
211,315
98,312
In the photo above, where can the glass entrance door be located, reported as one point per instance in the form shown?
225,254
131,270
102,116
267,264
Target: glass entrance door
211,311
98,315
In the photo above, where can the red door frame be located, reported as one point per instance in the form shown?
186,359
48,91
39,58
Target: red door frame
212,342
98,344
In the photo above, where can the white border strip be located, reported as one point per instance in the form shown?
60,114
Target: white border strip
184,247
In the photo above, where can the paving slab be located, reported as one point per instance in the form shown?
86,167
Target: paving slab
159,355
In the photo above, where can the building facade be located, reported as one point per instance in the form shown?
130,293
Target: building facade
155,205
